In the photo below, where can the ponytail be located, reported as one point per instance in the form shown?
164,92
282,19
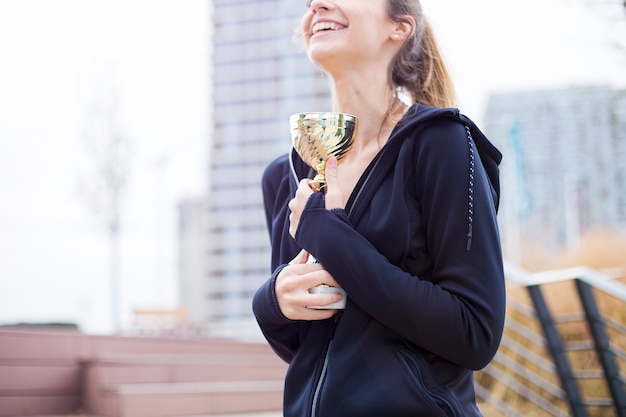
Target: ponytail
419,68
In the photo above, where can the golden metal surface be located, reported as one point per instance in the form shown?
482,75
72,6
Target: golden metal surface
317,136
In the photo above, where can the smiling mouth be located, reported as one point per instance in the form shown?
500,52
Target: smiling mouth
326,27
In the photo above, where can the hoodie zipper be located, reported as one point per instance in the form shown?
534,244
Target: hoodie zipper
318,386
322,376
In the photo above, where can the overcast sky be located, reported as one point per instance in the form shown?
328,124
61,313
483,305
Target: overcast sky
57,58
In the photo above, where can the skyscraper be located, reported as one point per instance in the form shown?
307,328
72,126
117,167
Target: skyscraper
260,77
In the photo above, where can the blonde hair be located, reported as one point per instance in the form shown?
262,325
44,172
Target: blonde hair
419,68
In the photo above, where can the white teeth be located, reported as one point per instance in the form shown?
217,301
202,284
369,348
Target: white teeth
318,27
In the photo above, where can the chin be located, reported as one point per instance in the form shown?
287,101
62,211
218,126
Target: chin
324,55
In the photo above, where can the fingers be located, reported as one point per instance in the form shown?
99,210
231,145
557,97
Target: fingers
293,291
334,199
329,303
296,205
301,258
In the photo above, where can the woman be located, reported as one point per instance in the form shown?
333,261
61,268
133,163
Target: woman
407,228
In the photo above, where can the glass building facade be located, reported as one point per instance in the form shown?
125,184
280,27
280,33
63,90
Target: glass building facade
260,76
564,166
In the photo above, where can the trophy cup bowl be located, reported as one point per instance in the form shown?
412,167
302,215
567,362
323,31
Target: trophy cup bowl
317,136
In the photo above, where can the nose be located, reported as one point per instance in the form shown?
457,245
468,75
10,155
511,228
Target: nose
316,5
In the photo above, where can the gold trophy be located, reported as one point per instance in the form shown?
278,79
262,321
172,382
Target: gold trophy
318,136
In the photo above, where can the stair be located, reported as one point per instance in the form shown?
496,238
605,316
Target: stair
196,398
154,385
38,374
48,372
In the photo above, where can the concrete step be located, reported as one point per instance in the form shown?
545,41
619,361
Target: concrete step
47,372
124,374
108,370
193,398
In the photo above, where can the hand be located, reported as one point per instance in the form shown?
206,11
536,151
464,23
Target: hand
292,290
296,205
333,198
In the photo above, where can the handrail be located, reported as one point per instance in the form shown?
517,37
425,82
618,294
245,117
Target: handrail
533,340
596,279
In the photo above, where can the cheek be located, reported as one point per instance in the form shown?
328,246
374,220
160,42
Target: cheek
305,24
302,36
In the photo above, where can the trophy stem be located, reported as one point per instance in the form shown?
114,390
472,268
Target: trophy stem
318,184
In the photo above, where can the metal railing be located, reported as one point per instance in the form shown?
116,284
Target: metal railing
563,362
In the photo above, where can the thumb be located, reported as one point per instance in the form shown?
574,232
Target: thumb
333,192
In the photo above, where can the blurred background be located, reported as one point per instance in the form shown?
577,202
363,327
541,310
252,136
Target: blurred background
126,126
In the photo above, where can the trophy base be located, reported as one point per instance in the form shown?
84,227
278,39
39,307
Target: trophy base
326,289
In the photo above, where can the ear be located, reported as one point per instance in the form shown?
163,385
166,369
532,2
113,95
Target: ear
403,29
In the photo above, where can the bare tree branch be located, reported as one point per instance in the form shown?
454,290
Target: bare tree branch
108,150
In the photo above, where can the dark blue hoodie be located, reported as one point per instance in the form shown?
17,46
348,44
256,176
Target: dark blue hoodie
418,252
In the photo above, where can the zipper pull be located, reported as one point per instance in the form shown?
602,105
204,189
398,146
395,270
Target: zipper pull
468,246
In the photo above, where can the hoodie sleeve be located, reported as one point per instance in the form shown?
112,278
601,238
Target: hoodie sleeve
282,334
456,308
